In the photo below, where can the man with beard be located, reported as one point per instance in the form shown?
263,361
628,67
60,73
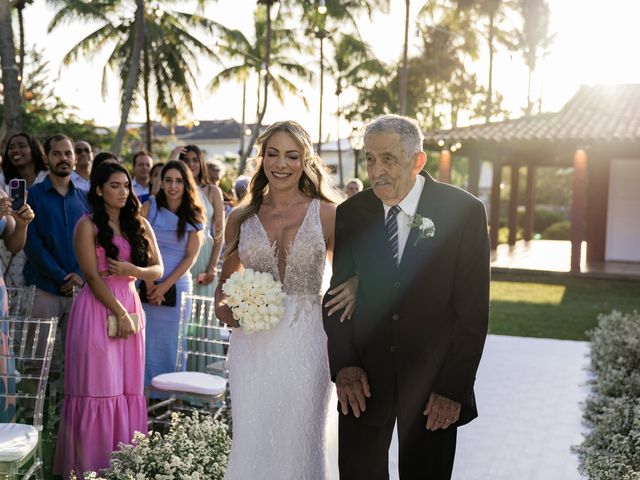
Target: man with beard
51,261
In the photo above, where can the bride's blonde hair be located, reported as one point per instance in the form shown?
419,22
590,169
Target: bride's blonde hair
314,182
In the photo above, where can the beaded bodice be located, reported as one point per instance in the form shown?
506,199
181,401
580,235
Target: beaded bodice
304,258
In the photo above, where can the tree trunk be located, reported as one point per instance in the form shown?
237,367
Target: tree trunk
132,77
21,53
404,72
244,116
340,169
489,104
529,104
256,128
11,92
147,107
321,93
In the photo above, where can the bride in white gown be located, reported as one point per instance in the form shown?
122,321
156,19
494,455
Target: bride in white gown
279,379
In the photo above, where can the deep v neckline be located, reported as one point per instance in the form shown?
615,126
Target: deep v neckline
273,246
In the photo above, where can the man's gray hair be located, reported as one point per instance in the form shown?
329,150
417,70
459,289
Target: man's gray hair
411,137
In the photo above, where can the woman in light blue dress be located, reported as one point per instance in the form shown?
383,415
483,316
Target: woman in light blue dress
205,269
177,218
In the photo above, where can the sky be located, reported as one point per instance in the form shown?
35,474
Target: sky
595,42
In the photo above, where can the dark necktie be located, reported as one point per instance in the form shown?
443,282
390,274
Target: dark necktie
391,224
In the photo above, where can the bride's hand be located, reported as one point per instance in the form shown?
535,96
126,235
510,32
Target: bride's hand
344,296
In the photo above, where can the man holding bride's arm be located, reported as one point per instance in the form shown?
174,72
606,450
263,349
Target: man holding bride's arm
410,351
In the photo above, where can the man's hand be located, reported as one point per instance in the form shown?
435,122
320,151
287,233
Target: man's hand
441,412
71,280
352,387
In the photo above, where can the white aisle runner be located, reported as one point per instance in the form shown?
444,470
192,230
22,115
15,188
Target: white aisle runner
530,393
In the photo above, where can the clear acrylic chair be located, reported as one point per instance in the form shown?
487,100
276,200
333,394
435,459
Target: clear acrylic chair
199,381
21,300
26,348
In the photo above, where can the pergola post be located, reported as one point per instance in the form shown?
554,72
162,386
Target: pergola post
494,213
444,167
529,203
513,203
578,207
474,175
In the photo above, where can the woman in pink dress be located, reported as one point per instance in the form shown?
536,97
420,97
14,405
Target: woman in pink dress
104,394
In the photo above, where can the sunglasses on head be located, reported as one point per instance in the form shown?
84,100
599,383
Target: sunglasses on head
83,150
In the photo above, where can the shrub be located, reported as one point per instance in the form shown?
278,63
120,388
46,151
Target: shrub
611,450
503,234
557,231
196,448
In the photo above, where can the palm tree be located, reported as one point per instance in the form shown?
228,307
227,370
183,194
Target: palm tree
494,11
404,72
352,64
10,82
156,50
20,5
278,75
321,18
533,39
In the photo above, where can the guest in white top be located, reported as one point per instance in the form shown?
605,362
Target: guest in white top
142,163
84,160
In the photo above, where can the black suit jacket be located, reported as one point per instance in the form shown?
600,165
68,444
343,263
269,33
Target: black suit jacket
419,327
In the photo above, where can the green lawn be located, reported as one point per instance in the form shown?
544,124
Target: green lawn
551,306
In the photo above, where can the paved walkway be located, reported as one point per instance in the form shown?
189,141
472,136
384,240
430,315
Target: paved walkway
530,393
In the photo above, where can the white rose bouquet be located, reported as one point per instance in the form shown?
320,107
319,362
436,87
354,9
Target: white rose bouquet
256,300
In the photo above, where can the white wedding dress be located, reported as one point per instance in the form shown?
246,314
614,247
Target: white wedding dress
280,379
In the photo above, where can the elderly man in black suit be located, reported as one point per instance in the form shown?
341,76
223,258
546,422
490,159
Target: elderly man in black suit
410,351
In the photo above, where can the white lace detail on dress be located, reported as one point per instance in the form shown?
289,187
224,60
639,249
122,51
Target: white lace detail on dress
279,379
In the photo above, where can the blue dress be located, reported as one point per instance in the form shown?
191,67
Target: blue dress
7,384
163,321
4,304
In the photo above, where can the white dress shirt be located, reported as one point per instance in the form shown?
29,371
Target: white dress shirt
80,182
408,207
139,189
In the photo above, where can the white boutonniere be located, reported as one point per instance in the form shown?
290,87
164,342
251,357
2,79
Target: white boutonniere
426,227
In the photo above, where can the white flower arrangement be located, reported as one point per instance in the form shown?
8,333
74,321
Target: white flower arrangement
426,227
256,300
196,448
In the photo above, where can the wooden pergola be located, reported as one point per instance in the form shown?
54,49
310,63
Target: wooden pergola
598,124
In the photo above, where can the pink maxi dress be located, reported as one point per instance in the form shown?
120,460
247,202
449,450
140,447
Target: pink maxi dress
104,400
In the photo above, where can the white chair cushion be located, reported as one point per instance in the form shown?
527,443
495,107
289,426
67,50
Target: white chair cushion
190,382
16,441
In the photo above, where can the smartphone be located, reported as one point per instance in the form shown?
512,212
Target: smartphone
17,192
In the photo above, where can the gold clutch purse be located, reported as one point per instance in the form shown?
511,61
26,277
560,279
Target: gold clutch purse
112,324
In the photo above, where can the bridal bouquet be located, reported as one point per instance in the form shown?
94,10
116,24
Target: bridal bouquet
256,300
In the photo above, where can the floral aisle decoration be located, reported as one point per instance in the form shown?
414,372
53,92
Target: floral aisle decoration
195,448
256,300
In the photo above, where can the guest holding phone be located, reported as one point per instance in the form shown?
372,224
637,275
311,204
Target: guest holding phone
104,400
14,219
177,218
23,159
